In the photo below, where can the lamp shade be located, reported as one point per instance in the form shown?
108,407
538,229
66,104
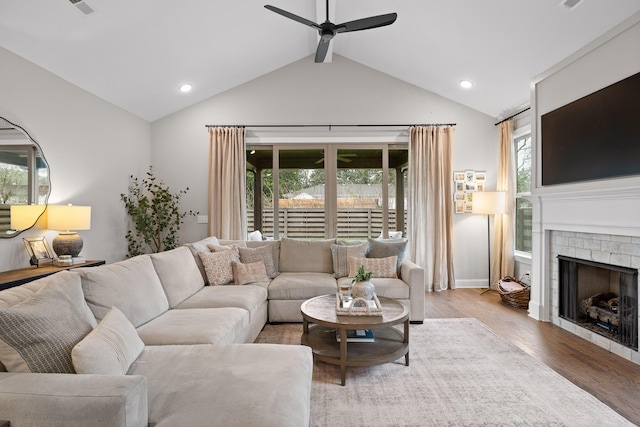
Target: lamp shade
488,202
25,216
68,217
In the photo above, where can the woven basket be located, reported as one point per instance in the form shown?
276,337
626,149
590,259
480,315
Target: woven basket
518,298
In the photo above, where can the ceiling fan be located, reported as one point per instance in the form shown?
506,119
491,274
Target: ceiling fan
341,157
328,30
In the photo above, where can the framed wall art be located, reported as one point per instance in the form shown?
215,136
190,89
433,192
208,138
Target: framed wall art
466,183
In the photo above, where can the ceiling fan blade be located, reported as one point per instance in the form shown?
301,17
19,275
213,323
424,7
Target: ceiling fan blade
367,23
292,16
323,47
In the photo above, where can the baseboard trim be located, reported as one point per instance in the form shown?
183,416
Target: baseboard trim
471,283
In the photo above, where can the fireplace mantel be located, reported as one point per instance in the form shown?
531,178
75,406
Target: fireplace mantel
611,214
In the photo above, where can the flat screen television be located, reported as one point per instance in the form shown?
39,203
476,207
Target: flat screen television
595,137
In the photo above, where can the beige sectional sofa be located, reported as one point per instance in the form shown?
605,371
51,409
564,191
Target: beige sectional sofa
310,268
156,346
166,355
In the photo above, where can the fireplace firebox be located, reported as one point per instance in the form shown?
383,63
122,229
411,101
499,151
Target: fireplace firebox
600,297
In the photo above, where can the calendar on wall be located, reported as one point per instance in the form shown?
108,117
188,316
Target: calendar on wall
465,184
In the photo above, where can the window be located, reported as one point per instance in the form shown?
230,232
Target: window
23,175
523,188
350,191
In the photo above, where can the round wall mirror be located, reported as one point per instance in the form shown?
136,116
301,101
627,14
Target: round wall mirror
24,180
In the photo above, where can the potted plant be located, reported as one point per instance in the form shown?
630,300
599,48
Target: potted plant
155,215
362,286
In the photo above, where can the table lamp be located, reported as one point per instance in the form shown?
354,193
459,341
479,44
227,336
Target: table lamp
67,219
25,216
488,203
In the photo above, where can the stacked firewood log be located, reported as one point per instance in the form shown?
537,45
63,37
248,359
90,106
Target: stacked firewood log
602,307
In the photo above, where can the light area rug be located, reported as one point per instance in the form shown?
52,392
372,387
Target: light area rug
460,374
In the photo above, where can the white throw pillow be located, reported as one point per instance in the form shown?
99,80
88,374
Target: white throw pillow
110,348
379,267
255,236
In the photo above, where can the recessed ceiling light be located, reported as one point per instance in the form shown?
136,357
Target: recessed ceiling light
466,84
186,87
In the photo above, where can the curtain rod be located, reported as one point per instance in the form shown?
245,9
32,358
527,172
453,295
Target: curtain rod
513,115
330,126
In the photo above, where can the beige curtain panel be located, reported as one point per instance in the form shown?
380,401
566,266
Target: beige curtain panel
430,204
502,250
227,183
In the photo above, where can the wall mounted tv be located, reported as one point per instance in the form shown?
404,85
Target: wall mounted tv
595,137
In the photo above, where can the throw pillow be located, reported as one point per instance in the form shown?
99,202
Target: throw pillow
387,248
217,265
110,348
263,254
255,236
379,267
221,248
341,254
249,273
38,334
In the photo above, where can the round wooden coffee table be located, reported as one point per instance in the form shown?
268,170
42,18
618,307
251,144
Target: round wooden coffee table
389,343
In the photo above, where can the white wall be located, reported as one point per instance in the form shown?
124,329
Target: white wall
605,206
342,92
91,146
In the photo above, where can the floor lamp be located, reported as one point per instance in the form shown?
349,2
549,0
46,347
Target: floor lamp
488,203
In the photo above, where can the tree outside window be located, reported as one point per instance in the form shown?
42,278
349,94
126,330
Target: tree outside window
523,188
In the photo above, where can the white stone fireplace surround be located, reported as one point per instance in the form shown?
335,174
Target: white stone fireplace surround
598,225
603,248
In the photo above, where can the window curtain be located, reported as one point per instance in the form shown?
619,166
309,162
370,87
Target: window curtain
430,204
227,182
502,250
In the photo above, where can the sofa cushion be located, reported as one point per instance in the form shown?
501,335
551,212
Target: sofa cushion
218,267
340,256
263,254
197,326
386,248
251,272
379,267
110,348
201,246
38,334
310,256
131,285
178,273
249,297
220,247
299,286
227,385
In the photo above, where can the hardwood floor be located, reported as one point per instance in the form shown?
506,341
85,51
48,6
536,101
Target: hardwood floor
610,378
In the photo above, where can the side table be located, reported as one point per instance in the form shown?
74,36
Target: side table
11,278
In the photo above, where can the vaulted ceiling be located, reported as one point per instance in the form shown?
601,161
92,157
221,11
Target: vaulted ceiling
135,53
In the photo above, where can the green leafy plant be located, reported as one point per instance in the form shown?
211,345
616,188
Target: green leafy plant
361,276
154,214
